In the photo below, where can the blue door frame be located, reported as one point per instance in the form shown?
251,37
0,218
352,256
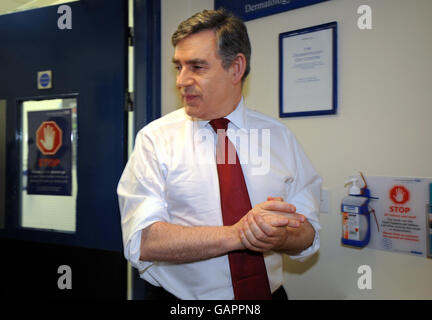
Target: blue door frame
147,82
147,58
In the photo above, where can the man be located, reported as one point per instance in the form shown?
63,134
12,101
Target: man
190,228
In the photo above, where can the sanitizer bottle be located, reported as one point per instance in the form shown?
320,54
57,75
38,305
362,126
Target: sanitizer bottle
356,215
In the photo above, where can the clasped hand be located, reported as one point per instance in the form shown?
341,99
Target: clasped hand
267,225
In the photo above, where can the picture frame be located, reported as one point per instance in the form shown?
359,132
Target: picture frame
308,71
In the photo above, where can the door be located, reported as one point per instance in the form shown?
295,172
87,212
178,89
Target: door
63,79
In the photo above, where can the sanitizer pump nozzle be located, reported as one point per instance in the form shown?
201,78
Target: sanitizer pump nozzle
354,189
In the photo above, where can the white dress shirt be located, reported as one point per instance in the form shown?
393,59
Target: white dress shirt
171,176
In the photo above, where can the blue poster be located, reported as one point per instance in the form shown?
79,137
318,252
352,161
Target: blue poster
50,152
253,9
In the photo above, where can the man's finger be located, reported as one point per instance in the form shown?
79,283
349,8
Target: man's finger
275,199
274,220
285,222
270,224
247,244
278,206
256,230
250,242
292,216
277,220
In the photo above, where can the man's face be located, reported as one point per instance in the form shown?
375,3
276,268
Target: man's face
206,88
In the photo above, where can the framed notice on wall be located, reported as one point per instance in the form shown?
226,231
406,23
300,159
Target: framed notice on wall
308,71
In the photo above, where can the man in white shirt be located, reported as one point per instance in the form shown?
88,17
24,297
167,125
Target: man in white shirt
169,193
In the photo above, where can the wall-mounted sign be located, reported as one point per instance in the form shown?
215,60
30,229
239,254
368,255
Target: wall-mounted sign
308,71
44,80
253,9
50,152
402,214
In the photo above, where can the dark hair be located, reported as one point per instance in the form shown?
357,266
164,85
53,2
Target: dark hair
231,34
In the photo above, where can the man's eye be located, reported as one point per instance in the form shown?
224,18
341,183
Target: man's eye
198,67
177,67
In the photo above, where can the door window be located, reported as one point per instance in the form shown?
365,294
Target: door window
49,170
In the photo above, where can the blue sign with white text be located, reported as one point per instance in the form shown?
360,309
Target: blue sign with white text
44,80
253,9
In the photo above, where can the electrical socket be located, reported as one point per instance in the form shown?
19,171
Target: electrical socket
324,201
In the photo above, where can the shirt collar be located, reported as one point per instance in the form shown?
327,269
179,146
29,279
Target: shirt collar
236,118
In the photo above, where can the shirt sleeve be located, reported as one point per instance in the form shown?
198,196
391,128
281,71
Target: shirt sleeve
304,193
141,197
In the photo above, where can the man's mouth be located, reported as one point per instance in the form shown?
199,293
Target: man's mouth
189,97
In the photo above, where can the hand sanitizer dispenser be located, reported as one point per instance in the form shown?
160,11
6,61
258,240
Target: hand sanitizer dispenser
355,215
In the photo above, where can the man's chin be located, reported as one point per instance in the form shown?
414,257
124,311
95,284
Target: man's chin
192,111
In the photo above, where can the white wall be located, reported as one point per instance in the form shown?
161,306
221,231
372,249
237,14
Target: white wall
381,127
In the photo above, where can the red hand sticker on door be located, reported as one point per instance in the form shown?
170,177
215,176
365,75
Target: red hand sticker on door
49,138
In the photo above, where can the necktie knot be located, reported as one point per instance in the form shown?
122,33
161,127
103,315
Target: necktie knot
219,124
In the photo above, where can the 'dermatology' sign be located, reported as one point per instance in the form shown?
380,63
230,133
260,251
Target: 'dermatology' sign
253,9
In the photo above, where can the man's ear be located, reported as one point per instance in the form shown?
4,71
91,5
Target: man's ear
238,68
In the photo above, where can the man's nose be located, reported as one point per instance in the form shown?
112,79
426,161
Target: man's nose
184,78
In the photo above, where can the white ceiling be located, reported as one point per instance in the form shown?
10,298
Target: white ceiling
11,5
7,6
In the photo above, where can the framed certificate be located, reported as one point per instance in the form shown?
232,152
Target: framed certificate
308,71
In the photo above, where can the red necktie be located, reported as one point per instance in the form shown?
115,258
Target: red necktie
248,271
